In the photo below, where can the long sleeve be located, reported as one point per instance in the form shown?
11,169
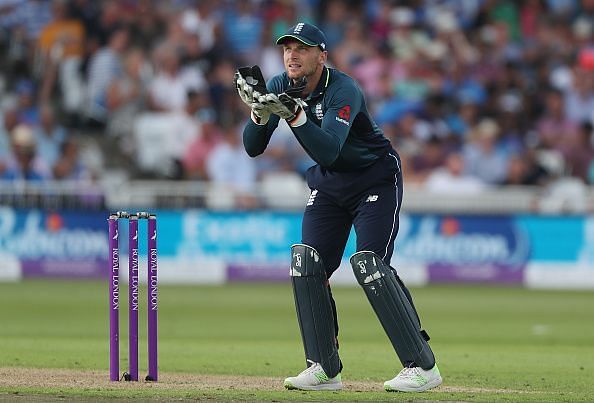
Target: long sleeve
325,143
256,137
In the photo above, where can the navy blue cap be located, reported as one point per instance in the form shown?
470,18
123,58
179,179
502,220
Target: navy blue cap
305,33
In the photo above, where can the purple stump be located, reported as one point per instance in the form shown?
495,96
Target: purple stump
133,298
152,298
114,299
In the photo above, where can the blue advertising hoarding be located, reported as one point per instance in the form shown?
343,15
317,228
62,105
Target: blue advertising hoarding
255,245
465,248
54,244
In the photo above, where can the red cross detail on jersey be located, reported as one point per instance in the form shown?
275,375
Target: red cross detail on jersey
345,112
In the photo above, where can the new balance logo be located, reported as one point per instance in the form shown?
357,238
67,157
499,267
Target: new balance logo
298,28
371,198
312,197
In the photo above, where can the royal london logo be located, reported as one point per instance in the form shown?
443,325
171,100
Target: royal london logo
319,112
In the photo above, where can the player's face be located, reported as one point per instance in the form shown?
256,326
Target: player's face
302,60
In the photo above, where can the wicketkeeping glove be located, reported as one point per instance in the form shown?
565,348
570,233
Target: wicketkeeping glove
260,113
289,104
250,85
286,107
296,87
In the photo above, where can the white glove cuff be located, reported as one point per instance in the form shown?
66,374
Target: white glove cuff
299,119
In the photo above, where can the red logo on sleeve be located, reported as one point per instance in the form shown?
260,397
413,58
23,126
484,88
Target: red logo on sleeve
345,112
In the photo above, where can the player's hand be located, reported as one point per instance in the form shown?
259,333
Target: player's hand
247,80
250,84
297,87
288,108
260,112
244,90
292,99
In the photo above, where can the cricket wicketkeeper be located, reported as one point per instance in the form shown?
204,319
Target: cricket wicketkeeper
357,181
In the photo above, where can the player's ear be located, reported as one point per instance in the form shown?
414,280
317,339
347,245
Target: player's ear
323,57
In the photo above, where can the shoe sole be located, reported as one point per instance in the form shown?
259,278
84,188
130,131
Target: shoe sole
429,385
324,386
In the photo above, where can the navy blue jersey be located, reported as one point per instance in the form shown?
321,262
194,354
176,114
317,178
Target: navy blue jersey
339,135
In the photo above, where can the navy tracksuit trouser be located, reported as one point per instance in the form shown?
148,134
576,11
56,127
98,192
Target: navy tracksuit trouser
368,199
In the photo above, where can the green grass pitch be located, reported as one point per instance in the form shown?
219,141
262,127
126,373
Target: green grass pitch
492,343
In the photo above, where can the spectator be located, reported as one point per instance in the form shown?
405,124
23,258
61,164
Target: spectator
27,108
148,28
269,62
9,121
429,69
483,158
580,154
229,167
554,129
451,179
33,15
431,157
68,166
579,96
109,19
49,136
24,163
374,72
404,39
61,45
194,161
335,14
222,92
104,67
169,88
354,48
523,170
186,128
282,154
243,30
203,22
126,96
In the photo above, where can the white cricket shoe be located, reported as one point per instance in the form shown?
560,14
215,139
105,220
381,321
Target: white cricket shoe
313,378
414,379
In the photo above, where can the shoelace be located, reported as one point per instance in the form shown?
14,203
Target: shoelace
409,373
311,369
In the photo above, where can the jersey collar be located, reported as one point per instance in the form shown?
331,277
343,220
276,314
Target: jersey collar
322,84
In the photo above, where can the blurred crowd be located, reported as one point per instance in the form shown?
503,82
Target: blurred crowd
473,94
